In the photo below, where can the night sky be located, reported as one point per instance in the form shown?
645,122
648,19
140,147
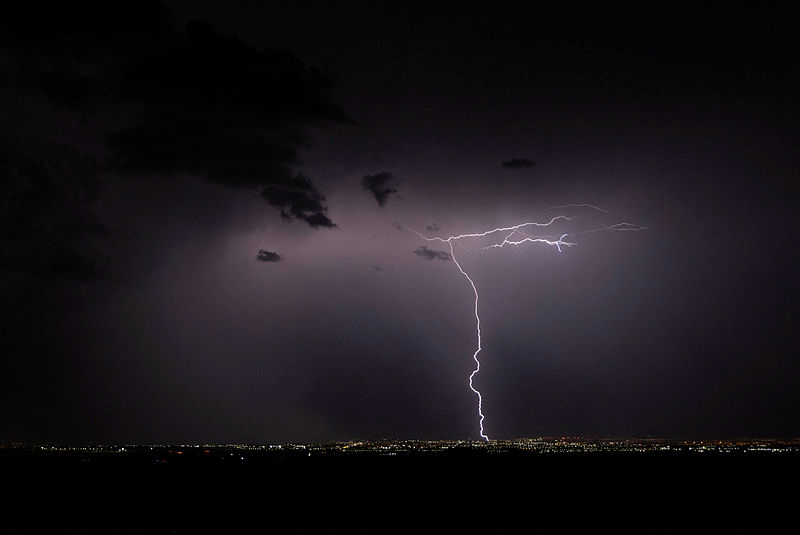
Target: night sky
204,210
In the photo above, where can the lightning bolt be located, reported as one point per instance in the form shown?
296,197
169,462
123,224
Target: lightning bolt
478,350
516,236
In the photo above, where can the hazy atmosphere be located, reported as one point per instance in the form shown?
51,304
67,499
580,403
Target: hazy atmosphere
207,214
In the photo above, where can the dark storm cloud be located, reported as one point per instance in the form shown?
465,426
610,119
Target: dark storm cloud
381,185
433,227
431,254
49,228
268,256
193,101
518,163
75,55
217,108
297,197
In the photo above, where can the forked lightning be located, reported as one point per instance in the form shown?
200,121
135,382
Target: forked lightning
515,235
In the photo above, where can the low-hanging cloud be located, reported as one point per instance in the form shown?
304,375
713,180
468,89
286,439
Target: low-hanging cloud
431,254
268,256
518,163
381,185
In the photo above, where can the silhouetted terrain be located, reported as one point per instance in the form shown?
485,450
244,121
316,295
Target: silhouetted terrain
229,489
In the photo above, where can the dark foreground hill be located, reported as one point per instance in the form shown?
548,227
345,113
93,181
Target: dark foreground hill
231,490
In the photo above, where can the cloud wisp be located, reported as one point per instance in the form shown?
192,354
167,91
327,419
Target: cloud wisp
268,256
381,185
518,163
431,254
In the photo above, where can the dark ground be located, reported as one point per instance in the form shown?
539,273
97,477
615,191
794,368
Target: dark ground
642,493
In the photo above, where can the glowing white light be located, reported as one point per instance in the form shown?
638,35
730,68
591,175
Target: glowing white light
523,238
